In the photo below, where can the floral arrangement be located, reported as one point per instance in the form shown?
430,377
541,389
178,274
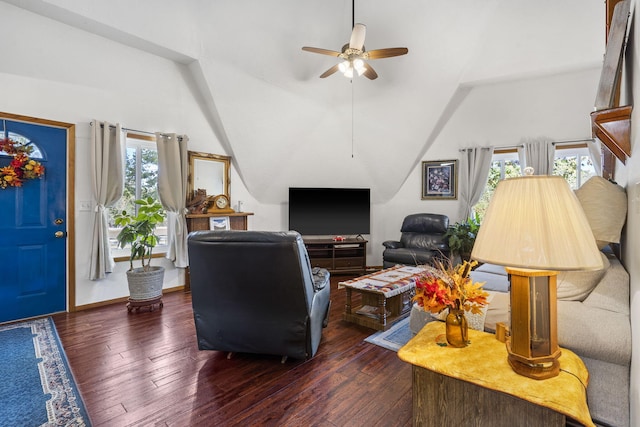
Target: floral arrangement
450,287
21,167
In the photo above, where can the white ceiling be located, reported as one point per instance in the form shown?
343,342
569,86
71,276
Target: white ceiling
284,126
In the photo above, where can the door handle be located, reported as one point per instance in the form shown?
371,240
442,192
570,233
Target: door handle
60,234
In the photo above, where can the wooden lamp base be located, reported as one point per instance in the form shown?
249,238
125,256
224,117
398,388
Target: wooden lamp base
539,368
536,372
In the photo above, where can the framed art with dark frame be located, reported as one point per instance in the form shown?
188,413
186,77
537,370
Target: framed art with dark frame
440,179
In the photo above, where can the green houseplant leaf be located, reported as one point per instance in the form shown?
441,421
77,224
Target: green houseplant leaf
462,236
139,230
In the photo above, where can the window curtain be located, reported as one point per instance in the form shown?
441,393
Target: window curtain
107,160
595,151
173,170
538,153
474,172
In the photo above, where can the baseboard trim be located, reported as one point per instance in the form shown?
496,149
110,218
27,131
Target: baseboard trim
121,300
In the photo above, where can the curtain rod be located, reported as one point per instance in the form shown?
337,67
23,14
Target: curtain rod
570,141
513,147
135,130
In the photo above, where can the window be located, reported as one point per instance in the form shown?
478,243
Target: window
504,164
572,162
20,139
141,180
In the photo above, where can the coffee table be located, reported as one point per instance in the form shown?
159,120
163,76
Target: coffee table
385,296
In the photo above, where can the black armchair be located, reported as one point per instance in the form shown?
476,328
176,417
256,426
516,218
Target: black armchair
421,242
255,292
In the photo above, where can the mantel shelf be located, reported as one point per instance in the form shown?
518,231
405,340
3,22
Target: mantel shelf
214,214
612,126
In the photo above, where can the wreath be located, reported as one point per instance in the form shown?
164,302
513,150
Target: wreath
21,167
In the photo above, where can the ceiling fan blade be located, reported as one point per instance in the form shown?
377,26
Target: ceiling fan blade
369,72
321,51
357,36
329,71
385,53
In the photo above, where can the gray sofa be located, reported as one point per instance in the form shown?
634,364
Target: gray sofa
593,322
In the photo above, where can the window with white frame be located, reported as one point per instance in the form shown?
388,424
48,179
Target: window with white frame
140,180
572,162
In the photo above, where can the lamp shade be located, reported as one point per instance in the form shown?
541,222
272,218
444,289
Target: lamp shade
536,222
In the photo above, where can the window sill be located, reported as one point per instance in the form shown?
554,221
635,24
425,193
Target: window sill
126,258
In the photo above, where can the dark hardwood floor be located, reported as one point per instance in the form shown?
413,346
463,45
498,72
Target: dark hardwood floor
144,369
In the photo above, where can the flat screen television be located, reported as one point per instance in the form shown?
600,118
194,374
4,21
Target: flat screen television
330,211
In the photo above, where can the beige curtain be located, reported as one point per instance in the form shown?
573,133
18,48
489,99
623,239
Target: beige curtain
107,163
595,151
538,153
173,170
474,172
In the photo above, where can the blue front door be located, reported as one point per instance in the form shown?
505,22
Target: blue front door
33,224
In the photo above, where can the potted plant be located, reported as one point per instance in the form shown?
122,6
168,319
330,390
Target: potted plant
461,237
145,282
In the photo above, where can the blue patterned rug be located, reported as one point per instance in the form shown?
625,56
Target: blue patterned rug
36,384
393,338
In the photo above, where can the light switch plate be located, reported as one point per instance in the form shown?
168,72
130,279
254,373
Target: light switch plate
84,206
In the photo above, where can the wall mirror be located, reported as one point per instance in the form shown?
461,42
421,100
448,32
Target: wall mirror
210,172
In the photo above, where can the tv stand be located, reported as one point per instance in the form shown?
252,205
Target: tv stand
347,256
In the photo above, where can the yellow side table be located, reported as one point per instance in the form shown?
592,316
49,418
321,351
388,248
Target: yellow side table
475,385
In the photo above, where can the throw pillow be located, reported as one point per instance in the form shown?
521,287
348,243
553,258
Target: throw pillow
605,206
577,285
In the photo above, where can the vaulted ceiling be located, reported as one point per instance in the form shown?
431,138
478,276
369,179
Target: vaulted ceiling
284,126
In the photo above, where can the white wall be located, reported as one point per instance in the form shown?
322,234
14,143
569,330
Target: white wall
67,74
64,74
629,177
498,114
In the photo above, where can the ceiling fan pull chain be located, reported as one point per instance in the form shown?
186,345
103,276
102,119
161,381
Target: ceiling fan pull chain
353,13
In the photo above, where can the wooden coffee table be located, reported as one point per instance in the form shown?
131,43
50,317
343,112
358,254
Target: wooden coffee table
385,296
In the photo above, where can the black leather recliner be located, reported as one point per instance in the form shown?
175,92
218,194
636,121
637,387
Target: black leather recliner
255,292
421,242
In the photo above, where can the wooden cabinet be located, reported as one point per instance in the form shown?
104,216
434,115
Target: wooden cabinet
237,220
347,256
198,222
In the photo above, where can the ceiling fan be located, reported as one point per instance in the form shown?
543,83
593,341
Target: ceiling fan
354,53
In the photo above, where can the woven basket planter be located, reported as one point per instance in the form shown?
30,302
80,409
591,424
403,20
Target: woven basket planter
145,285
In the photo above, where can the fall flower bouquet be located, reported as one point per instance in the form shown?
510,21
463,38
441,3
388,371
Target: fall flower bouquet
450,287
21,167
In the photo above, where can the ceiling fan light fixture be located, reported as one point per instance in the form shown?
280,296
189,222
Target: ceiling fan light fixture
346,68
349,73
354,54
358,65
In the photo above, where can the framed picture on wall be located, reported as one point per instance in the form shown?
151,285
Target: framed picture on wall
440,179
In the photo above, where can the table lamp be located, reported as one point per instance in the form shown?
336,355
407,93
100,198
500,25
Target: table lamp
535,226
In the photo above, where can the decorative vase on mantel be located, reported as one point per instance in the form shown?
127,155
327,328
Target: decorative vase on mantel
457,328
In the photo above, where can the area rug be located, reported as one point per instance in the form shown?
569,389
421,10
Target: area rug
393,338
36,385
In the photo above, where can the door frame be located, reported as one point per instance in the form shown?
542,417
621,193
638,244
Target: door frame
71,199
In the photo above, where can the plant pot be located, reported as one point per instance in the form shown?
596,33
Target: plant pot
145,285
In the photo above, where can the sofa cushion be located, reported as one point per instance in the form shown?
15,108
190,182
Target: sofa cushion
577,285
594,332
495,277
498,310
410,256
433,242
612,293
